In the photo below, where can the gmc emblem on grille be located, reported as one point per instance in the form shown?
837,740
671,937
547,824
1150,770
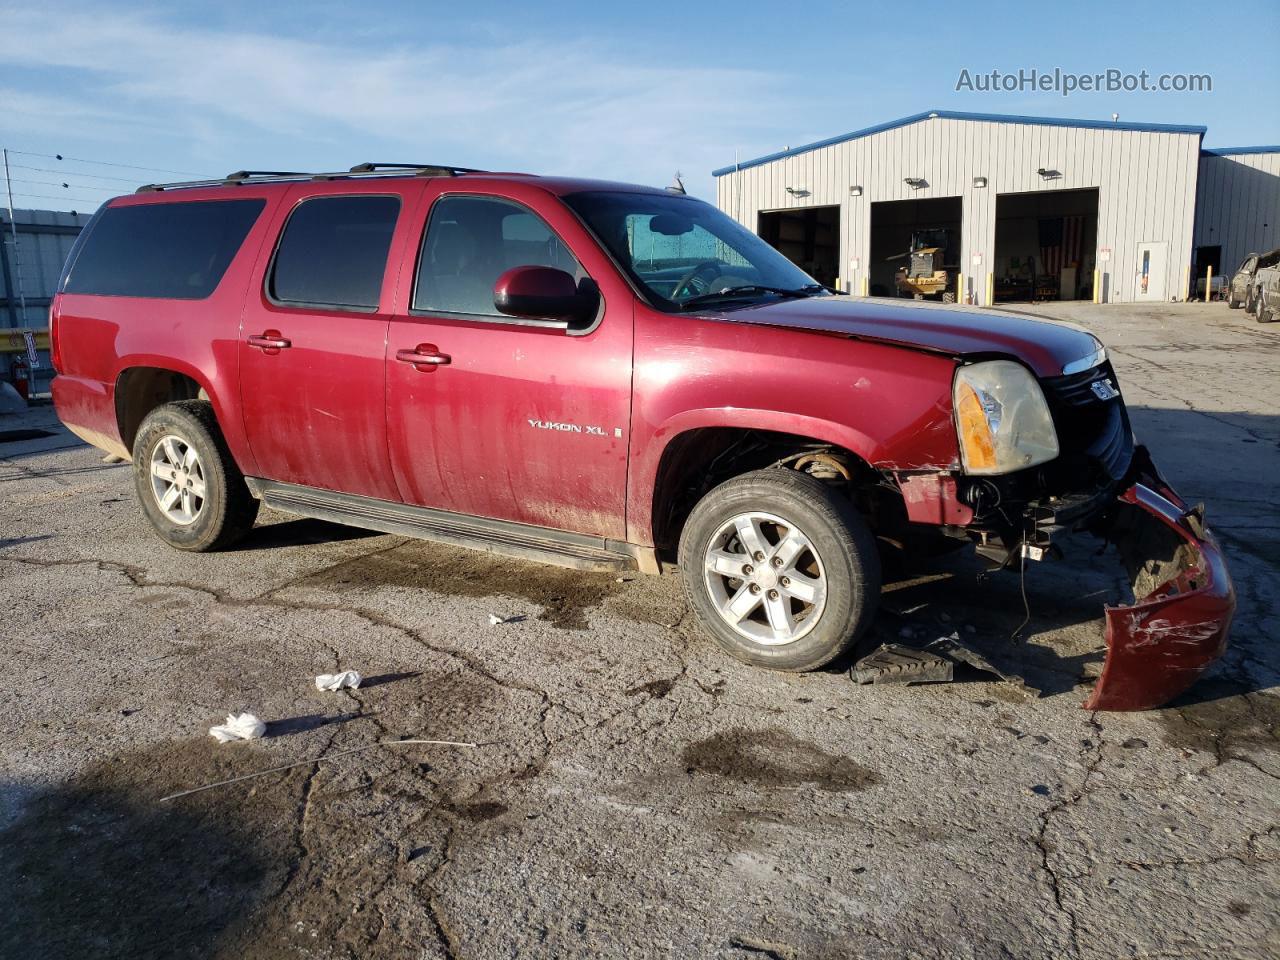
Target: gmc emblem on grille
1104,389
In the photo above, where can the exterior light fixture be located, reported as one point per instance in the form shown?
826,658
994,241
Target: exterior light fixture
797,191
979,182
915,183
1047,174
855,191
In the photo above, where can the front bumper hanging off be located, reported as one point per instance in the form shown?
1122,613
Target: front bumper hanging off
1178,626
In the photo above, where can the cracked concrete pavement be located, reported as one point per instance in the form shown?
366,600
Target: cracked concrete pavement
633,792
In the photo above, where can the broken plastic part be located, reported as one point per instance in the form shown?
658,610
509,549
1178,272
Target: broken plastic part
935,663
1179,625
896,663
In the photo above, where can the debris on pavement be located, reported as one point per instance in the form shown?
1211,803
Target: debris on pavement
897,663
935,662
303,763
495,620
337,681
244,726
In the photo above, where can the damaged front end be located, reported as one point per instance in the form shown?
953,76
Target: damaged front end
1184,599
1101,482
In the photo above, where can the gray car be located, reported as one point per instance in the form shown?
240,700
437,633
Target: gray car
1265,292
1240,289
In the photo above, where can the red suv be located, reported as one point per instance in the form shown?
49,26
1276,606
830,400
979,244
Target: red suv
605,376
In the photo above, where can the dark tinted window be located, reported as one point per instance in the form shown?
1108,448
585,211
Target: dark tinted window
470,242
173,250
334,252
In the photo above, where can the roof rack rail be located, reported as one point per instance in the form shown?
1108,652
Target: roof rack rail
240,177
419,168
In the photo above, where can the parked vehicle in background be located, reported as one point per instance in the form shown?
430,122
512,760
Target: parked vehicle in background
607,376
1266,292
1239,291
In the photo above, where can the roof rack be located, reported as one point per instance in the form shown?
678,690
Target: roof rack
360,170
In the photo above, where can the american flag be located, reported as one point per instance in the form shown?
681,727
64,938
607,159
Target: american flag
1060,242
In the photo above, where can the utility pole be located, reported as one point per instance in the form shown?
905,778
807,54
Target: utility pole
33,358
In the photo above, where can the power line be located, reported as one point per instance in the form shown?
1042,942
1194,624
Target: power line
67,186
70,173
105,163
41,196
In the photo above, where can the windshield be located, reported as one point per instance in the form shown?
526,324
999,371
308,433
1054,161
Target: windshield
685,254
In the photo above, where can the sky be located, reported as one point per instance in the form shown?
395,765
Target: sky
631,92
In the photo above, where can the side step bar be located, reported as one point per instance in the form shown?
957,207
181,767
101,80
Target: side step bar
575,550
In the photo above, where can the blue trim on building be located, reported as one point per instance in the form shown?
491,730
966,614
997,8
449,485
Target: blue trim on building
955,115
1235,151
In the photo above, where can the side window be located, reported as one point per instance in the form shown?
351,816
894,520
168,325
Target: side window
169,250
470,242
333,252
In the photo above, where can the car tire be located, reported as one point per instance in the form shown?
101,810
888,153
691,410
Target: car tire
825,552
187,481
1232,302
1261,313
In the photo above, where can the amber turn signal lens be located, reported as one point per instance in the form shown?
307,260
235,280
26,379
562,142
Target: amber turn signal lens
975,432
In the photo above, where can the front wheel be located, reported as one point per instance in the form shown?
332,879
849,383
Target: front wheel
187,481
781,569
1260,312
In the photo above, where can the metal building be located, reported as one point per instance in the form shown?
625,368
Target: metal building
1237,206
1034,207
29,273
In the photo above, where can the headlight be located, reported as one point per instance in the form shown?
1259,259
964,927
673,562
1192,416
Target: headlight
1002,419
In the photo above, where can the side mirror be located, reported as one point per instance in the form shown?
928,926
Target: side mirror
545,293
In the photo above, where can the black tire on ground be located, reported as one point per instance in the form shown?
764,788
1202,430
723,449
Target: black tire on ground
1260,311
228,510
840,537
1232,302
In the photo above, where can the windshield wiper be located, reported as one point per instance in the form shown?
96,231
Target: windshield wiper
749,290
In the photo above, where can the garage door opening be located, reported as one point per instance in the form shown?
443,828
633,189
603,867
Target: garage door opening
809,238
1046,243
902,234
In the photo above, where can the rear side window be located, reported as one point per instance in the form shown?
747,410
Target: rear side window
175,251
334,251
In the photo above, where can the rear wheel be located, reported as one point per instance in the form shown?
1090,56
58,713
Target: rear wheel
186,480
1260,311
781,569
1232,302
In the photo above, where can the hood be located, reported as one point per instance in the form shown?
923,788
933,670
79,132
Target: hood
1046,346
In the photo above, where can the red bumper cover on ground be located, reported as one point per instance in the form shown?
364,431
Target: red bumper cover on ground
1159,646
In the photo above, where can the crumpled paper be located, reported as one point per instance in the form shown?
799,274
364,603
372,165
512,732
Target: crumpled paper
244,726
336,681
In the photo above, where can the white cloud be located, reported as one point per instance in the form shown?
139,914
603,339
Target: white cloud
540,104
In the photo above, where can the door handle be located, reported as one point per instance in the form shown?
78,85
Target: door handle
270,340
425,357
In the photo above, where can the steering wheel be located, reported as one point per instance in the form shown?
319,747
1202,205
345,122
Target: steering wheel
705,265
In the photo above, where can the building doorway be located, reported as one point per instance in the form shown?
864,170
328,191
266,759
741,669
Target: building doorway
899,227
1046,245
808,237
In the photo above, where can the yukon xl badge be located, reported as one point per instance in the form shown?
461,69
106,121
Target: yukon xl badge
572,428
1104,389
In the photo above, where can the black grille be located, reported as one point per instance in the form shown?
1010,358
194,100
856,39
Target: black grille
1093,433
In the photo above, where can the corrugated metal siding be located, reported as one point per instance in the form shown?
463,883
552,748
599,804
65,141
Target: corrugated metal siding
1145,182
45,238
1238,204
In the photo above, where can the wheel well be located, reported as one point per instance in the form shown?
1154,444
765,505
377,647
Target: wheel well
697,460
139,390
